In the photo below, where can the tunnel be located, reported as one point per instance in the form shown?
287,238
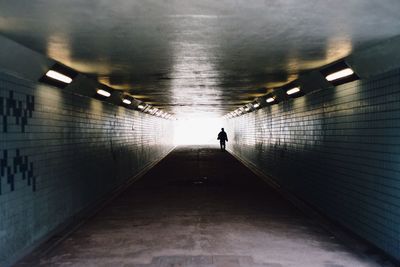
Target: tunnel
261,133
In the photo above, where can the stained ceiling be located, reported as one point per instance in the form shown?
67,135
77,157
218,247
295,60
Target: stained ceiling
198,57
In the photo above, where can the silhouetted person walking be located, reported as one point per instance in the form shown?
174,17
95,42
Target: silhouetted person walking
222,137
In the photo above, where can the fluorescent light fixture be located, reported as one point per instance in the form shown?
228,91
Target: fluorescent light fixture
339,74
270,99
293,91
256,105
247,109
141,107
103,93
58,76
126,101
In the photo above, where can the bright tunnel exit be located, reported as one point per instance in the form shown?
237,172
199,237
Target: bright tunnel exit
197,131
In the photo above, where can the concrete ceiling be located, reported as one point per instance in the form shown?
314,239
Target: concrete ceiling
198,57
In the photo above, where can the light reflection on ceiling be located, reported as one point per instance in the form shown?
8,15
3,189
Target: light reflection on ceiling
192,57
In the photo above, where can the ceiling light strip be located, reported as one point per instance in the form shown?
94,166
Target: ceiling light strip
126,101
103,93
339,74
58,76
293,91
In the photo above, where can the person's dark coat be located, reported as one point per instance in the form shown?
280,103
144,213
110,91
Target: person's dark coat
222,137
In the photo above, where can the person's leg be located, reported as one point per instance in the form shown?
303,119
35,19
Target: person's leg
221,144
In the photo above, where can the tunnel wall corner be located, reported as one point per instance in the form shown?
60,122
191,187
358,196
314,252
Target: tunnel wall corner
336,149
60,153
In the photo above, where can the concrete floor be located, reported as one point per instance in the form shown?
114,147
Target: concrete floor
200,207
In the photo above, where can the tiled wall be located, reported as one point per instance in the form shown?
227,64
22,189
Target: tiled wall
61,152
337,149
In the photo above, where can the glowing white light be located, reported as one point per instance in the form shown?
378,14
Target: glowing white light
339,74
103,92
270,100
293,91
58,76
256,105
127,101
198,131
247,109
141,107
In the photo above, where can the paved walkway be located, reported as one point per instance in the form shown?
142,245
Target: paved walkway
200,207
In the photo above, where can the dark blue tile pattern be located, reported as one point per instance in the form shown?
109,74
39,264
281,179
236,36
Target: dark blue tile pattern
20,111
60,153
18,166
